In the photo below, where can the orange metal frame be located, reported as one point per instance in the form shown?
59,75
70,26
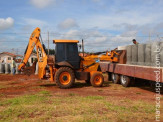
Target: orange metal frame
41,55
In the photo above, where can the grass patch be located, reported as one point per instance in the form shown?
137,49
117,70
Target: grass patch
43,106
27,99
71,94
2,95
138,93
94,97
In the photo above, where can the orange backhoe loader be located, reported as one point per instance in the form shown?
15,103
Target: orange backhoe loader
67,64
111,56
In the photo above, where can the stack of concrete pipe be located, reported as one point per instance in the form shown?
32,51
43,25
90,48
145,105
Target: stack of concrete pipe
2,68
144,54
7,68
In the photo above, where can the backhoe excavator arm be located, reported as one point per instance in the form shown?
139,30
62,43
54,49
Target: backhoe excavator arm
41,54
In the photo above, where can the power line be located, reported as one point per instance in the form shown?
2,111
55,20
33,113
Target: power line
19,33
76,35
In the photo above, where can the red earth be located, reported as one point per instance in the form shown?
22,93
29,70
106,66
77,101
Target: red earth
11,86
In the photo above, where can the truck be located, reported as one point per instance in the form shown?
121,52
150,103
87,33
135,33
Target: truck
140,61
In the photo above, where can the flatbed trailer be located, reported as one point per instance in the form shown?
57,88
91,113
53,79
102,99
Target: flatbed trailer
126,73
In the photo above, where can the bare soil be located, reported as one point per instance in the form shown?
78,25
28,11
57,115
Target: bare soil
21,84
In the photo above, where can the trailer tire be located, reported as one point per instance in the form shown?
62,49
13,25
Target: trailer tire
65,77
115,78
125,80
97,79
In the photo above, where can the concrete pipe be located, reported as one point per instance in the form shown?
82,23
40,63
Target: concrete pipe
122,47
155,52
141,54
7,71
9,68
2,68
17,71
30,64
129,54
36,71
134,54
161,54
147,55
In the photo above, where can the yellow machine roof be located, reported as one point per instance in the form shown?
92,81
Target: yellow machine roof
65,41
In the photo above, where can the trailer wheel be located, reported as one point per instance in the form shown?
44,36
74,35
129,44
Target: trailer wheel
97,79
64,77
115,78
125,80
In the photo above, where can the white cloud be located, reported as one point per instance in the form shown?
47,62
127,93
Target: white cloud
6,23
31,21
130,16
29,24
42,3
104,21
68,23
71,34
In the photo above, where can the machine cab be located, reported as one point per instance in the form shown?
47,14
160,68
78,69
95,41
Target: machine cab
66,51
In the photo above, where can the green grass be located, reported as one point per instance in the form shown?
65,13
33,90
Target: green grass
47,106
71,94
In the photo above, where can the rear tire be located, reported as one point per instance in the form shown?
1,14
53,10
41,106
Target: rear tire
64,77
97,79
125,80
115,78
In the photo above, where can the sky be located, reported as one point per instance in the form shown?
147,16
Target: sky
103,24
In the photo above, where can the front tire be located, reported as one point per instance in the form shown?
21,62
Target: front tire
65,77
97,79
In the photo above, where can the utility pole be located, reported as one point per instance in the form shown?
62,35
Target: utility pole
83,47
48,43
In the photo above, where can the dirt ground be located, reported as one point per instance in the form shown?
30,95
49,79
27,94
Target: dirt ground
27,98
11,86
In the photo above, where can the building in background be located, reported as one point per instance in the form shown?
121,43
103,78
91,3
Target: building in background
6,57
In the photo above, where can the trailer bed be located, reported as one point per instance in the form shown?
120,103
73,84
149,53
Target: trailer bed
137,71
